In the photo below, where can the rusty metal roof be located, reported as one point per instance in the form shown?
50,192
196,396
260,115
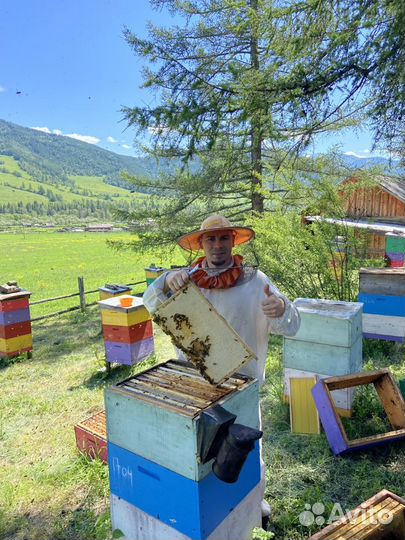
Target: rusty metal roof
180,387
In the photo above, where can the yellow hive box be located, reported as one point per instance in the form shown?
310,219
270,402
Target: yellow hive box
113,313
15,344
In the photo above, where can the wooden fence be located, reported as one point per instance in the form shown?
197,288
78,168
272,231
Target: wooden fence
82,299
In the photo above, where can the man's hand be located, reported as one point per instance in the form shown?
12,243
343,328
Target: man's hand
272,305
176,280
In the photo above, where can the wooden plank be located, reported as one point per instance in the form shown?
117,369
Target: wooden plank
392,400
329,322
201,332
379,304
330,419
384,325
15,344
14,305
321,358
128,334
136,524
14,296
354,379
157,491
116,318
13,317
129,353
15,330
304,417
343,399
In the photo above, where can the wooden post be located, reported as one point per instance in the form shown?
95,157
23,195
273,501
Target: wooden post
80,281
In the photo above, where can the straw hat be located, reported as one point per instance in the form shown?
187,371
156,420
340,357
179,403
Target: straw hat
215,223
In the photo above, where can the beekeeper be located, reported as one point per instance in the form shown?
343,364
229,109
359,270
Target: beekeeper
248,301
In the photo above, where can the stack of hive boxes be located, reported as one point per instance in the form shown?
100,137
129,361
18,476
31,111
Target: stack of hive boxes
329,342
160,489
128,331
109,291
395,250
152,273
382,291
15,324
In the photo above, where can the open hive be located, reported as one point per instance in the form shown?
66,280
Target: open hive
156,447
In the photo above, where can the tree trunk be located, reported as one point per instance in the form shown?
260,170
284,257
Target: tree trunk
255,133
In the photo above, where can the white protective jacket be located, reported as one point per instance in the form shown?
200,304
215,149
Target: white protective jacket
241,307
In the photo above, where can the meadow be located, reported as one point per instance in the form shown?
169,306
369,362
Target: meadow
50,491
49,263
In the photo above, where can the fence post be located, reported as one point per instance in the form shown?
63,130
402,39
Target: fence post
80,281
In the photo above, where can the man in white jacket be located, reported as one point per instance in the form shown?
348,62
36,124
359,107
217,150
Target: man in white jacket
253,306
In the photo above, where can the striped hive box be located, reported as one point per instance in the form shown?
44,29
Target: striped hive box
395,250
91,436
152,273
128,332
15,324
329,342
382,291
109,291
153,426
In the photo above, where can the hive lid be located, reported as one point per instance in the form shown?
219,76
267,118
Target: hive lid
204,336
114,304
328,308
178,386
22,293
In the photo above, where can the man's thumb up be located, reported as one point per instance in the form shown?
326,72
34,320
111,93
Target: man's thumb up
272,305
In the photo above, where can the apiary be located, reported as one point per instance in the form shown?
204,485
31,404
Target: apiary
15,324
91,436
328,342
111,290
160,448
127,329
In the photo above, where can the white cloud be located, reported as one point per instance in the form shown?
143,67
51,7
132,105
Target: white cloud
44,129
57,132
2,89
84,138
111,140
126,146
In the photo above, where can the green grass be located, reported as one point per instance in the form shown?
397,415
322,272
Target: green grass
49,263
48,491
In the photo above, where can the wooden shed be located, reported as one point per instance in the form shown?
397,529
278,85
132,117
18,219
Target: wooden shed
385,202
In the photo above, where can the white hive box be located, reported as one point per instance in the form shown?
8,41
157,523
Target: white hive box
205,337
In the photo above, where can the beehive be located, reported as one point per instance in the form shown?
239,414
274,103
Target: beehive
205,337
91,436
382,291
157,476
152,273
109,291
128,332
15,324
328,342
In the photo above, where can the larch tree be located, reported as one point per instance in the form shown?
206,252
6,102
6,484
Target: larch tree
242,87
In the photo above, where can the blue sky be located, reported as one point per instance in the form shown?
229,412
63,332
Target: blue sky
66,68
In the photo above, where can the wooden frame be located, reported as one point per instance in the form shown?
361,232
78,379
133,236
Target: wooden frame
391,399
366,522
